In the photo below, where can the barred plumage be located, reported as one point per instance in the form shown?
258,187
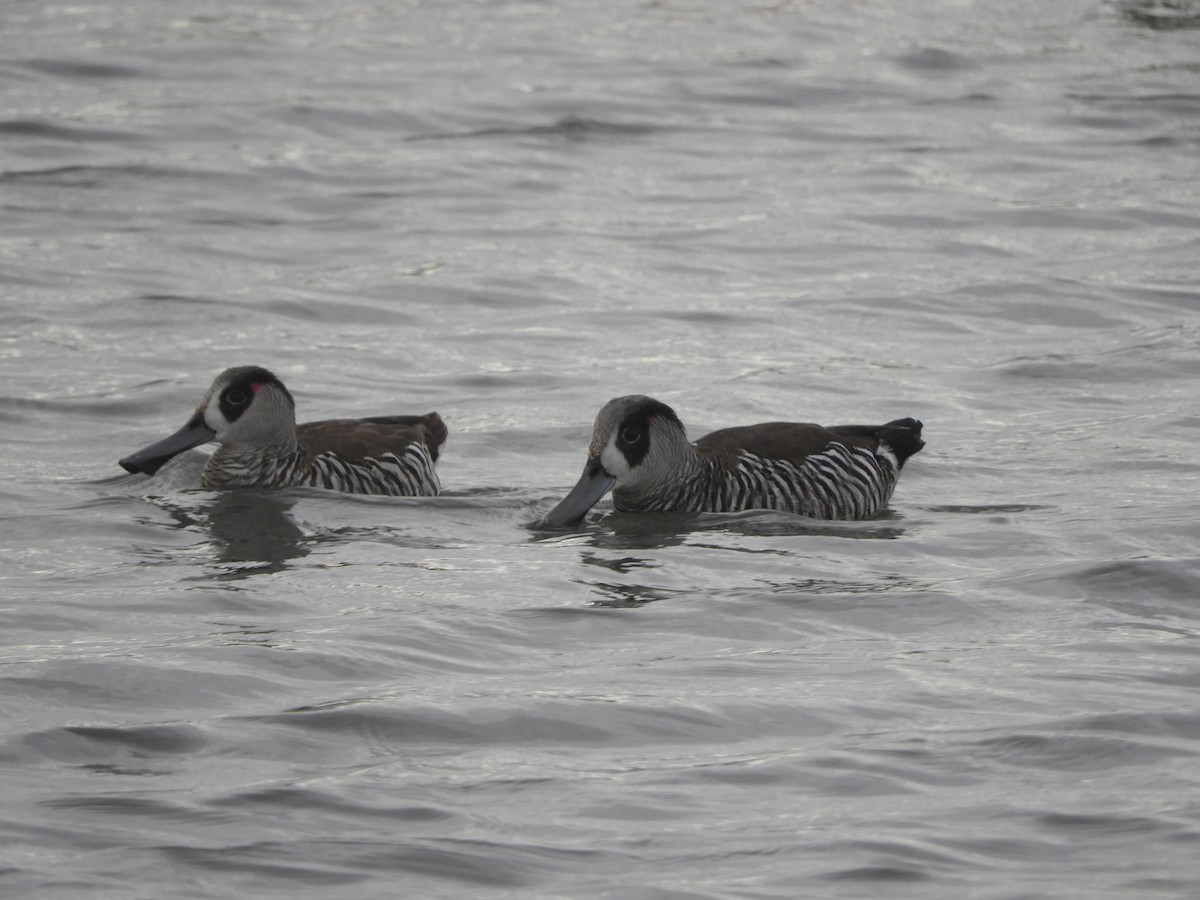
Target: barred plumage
640,451
838,483
408,474
250,413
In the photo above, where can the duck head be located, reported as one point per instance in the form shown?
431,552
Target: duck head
635,446
246,406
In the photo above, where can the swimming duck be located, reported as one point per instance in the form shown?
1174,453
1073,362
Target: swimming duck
250,413
640,451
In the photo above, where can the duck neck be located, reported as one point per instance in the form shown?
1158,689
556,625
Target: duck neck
274,465
683,483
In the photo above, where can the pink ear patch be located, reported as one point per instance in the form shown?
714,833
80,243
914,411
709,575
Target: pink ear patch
255,386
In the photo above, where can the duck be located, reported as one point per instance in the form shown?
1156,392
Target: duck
640,451
252,416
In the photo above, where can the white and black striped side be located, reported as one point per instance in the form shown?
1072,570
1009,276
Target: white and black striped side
840,482
409,473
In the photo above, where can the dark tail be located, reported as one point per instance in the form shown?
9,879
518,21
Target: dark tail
904,437
437,433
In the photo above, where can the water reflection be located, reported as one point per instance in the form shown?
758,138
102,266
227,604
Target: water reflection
255,527
624,565
1162,15
251,532
246,634
618,550
885,584
656,531
627,596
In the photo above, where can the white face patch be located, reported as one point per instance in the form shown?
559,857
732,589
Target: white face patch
614,461
213,417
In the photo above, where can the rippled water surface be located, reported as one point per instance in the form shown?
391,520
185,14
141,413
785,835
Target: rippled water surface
984,215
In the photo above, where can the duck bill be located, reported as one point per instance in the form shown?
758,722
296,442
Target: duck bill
154,457
593,484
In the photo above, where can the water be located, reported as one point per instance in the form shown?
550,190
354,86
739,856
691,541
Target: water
984,215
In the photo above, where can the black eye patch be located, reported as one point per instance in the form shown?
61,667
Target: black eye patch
633,438
236,400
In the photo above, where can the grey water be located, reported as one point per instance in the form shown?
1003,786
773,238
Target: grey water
986,215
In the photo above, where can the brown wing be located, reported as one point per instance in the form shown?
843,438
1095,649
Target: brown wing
794,441
362,438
